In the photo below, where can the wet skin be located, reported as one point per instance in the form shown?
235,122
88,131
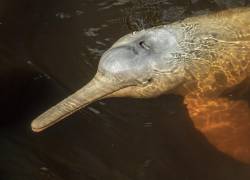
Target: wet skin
199,58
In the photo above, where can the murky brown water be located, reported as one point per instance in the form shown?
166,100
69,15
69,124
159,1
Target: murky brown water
51,48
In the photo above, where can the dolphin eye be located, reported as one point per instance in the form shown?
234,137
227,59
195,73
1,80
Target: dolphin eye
144,45
147,81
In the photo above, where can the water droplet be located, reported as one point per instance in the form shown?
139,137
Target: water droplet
79,12
44,169
148,124
94,110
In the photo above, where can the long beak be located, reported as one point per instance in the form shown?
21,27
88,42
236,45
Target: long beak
97,88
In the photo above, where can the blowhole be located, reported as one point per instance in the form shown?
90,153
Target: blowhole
144,45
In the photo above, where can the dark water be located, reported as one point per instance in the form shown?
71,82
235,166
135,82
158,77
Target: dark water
51,48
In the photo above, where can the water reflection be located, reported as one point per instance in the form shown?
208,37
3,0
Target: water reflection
127,139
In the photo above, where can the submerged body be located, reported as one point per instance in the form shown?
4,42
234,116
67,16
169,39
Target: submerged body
199,58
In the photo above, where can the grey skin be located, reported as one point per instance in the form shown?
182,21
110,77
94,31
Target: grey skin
205,55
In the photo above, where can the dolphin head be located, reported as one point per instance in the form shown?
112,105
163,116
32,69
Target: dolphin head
141,64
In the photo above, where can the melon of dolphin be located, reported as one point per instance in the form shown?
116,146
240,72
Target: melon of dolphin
199,57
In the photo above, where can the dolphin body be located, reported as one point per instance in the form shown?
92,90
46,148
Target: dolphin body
206,54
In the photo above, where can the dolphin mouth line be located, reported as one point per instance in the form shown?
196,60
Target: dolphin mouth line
35,129
39,129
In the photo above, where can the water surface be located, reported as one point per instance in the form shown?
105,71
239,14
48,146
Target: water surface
51,48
